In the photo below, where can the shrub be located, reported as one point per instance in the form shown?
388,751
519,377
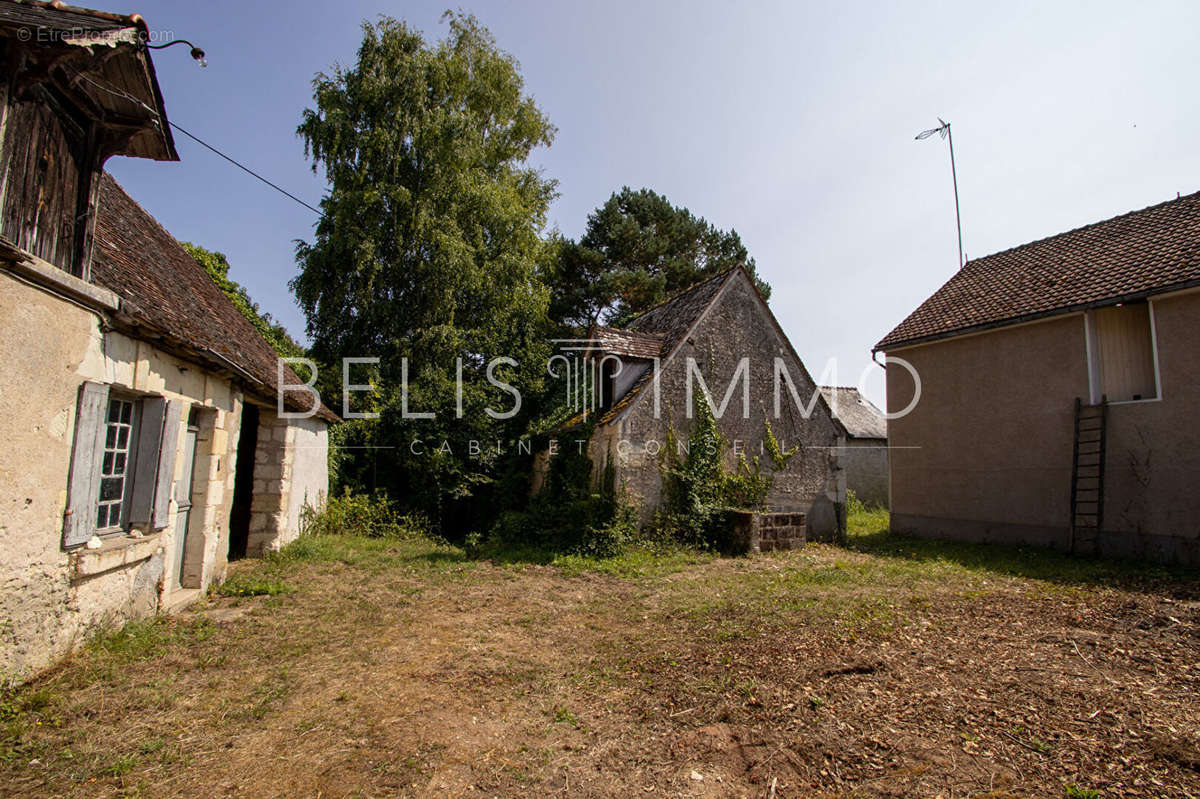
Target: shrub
571,514
699,491
361,515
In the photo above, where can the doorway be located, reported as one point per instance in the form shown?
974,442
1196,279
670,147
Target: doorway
243,483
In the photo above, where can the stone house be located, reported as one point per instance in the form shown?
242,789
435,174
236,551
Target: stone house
1057,396
144,442
717,339
864,456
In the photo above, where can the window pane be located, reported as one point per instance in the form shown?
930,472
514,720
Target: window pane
110,488
115,463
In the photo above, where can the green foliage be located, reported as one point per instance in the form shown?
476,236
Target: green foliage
361,515
638,250
779,457
1073,791
699,489
252,585
427,251
854,505
571,513
217,267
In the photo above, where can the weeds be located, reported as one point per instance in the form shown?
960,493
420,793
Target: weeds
362,515
252,585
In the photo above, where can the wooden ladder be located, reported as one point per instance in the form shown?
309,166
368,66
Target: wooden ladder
1087,476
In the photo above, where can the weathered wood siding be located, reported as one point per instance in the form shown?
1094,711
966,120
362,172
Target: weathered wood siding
44,158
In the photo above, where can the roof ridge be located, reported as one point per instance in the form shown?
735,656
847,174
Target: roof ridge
1044,239
725,273
1137,254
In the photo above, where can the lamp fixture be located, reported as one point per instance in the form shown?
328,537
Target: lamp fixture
197,53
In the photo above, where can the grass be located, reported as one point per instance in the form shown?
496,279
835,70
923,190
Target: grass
397,665
868,533
252,585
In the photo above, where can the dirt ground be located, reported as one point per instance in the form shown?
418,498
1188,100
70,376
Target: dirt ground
892,668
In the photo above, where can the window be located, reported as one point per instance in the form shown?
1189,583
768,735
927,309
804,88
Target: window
1122,353
116,465
122,464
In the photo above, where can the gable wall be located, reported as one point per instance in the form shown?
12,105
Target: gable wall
736,325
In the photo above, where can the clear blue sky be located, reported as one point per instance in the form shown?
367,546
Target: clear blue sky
791,122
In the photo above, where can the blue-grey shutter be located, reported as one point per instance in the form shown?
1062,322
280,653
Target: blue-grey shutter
145,461
83,485
166,463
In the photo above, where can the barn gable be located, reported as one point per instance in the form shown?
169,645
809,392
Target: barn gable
722,332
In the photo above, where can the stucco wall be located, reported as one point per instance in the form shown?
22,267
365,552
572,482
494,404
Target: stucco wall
38,607
989,442
309,483
734,327
865,462
987,453
47,602
1151,505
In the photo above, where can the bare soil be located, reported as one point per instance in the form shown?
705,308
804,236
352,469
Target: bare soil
408,670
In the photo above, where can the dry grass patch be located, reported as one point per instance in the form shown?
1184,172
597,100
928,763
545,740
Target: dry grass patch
380,667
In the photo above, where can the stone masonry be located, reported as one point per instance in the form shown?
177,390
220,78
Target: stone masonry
754,532
272,474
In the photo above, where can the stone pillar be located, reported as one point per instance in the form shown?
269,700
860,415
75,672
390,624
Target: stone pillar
272,479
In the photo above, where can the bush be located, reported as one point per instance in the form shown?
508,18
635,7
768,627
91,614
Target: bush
699,491
362,515
571,514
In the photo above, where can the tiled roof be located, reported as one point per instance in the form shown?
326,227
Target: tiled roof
1154,250
856,413
166,295
102,57
627,343
670,320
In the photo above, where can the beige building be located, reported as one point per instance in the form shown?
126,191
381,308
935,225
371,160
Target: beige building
864,454
143,443
1059,384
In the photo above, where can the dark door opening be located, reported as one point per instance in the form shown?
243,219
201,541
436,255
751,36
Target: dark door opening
243,483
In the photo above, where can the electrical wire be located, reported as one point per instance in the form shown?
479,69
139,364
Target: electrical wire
136,101
243,167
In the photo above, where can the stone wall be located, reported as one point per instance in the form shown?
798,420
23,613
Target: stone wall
290,471
754,532
735,326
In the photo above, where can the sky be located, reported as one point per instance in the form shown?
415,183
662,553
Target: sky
792,123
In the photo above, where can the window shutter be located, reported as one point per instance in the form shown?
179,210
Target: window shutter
145,464
79,521
166,463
